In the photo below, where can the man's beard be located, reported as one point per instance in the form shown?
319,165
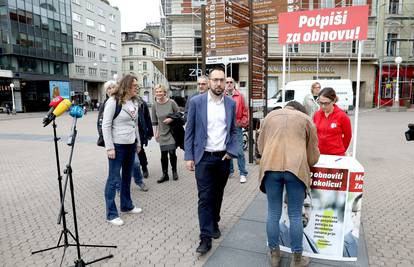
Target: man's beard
217,93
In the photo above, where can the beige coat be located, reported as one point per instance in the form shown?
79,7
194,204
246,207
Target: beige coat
288,142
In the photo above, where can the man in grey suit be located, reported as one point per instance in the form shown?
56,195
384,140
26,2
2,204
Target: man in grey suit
210,143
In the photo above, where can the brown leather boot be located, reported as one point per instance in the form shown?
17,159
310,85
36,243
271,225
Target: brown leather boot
299,261
274,257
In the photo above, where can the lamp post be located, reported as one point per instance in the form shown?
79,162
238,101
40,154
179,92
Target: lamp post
14,106
396,103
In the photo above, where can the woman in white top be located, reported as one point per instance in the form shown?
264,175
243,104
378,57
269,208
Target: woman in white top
309,102
121,138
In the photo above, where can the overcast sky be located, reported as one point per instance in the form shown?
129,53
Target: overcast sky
136,13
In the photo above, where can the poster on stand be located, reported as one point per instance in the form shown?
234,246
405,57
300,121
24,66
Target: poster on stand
331,212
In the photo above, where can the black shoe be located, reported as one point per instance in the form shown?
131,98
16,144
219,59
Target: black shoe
145,174
205,246
216,234
175,176
164,178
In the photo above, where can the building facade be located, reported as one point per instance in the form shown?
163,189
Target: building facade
96,47
140,52
395,33
181,29
35,49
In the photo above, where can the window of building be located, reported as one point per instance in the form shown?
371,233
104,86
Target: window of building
91,54
197,45
76,2
354,48
102,57
392,44
92,71
112,46
112,17
131,65
131,51
144,65
145,81
76,17
103,73
91,39
102,42
293,48
394,7
325,47
79,52
112,32
100,11
89,6
78,35
327,3
90,23
114,60
113,73
102,27
80,69
144,51
359,2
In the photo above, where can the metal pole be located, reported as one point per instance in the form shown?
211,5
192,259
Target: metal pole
283,74
397,87
357,100
250,82
379,84
203,39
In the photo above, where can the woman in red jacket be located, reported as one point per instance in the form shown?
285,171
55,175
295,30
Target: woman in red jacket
333,125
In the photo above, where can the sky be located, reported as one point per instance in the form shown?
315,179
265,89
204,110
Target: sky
136,13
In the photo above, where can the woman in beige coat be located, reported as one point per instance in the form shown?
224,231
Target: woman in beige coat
288,144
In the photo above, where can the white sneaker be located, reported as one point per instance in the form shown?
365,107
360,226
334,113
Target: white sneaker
135,210
117,221
243,179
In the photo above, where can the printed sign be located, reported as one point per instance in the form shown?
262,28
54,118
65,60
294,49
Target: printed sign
59,88
324,25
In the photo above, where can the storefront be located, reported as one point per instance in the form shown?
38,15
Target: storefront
389,82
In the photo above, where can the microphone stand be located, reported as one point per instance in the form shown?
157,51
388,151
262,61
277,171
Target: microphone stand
79,262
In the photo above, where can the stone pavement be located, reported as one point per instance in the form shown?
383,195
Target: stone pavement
166,234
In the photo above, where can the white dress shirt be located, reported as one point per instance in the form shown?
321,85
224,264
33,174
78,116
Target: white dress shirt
216,124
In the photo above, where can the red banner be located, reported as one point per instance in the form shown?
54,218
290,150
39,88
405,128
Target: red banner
324,25
329,179
356,182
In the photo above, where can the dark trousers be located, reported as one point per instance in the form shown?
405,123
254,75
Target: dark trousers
211,174
164,161
143,159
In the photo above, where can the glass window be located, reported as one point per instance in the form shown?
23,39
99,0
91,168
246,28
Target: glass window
76,2
102,57
112,17
112,32
327,4
91,54
100,11
392,44
131,51
293,48
80,69
144,65
325,47
102,42
76,17
102,27
131,65
113,46
92,71
78,52
144,51
394,7
90,23
103,73
91,39
89,6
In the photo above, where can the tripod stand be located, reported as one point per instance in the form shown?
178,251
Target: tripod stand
62,213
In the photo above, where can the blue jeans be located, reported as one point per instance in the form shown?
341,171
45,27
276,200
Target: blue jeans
274,183
136,171
124,158
241,162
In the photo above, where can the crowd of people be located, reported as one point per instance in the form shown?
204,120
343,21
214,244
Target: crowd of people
290,142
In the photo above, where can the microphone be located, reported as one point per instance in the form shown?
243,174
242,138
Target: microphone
75,112
53,104
59,110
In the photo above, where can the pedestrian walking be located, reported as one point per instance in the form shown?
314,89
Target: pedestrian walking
210,143
288,145
161,108
122,141
145,132
202,87
333,125
242,121
310,101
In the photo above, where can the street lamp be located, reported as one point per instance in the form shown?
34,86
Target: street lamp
14,106
398,60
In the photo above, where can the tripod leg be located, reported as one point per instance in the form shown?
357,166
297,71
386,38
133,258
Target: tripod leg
103,258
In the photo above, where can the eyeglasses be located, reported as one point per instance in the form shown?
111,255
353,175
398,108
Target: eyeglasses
218,80
324,103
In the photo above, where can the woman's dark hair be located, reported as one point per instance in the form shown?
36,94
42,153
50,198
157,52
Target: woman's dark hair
296,105
328,92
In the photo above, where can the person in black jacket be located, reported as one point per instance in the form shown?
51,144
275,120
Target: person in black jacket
145,132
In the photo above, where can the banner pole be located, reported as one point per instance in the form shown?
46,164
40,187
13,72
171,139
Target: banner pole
355,137
283,74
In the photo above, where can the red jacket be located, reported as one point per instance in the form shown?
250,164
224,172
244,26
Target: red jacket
334,131
242,112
